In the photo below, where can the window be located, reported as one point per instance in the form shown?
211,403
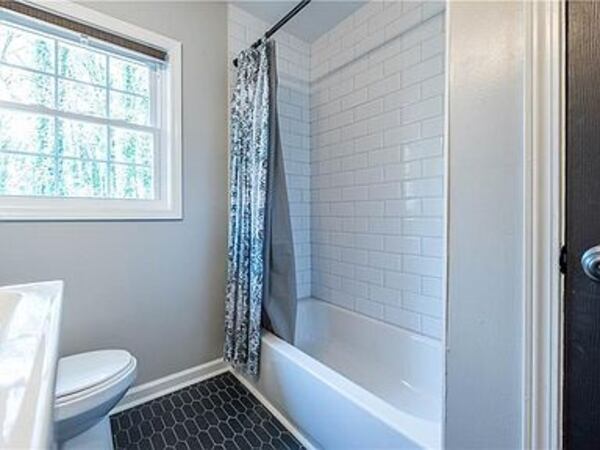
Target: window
88,129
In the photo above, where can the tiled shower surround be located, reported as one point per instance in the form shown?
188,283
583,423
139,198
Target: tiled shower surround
369,181
377,87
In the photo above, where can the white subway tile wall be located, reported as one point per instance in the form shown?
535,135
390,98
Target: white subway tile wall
293,102
376,127
361,111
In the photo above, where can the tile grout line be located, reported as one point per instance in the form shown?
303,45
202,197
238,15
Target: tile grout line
273,410
227,413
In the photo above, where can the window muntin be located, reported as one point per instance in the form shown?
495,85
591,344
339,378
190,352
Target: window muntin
75,121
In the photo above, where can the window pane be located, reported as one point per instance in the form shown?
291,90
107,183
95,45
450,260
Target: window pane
134,147
133,182
56,147
81,139
24,132
83,178
22,86
26,49
81,98
81,64
130,77
26,174
130,108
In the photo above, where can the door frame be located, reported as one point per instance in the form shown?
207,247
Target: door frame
543,217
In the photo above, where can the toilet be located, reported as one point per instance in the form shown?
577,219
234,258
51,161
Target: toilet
88,386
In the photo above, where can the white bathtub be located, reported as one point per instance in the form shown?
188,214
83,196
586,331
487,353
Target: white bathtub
354,382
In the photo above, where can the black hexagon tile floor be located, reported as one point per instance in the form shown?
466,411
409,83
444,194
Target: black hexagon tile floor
218,413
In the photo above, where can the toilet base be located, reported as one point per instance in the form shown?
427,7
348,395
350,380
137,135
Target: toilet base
98,437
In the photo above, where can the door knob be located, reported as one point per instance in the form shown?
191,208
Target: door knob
590,261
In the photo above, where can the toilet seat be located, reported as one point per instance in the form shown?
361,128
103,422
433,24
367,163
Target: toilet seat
84,371
90,380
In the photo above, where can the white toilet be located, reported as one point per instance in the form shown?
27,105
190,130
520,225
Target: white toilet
88,386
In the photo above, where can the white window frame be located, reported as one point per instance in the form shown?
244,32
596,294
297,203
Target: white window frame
168,204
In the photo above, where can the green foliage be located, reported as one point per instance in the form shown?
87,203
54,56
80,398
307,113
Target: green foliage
79,163
42,58
130,146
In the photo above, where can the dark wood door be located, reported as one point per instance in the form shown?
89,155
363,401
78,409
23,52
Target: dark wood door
582,227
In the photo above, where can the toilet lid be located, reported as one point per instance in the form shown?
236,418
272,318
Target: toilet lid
79,372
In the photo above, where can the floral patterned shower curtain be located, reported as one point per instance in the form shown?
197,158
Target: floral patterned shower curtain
261,275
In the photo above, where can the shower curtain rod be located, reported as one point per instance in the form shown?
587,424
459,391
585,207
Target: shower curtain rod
285,19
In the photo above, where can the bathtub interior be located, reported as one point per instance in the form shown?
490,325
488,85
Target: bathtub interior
401,368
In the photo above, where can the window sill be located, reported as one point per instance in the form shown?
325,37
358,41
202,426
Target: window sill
60,209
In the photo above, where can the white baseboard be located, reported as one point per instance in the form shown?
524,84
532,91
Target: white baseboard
171,383
273,410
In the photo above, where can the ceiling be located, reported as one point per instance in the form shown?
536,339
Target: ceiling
314,20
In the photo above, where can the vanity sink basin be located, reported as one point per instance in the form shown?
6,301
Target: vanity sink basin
29,331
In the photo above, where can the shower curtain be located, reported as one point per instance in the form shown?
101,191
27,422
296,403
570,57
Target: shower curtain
261,285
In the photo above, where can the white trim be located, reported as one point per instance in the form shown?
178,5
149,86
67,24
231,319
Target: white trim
542,314
169,202
273,410
45,111
171,383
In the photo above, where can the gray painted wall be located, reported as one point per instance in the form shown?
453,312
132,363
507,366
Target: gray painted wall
484,338
154,288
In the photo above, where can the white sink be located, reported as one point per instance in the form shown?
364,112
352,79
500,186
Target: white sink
29,330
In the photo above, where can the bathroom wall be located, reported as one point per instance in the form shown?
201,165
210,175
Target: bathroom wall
485,230
377,94
155,288
293,103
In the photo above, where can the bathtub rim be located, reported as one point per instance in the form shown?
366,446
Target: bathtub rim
413,335
414,428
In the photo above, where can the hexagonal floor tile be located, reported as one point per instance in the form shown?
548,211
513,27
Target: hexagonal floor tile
216,413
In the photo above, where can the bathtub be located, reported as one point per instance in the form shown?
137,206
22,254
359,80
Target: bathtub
354,382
